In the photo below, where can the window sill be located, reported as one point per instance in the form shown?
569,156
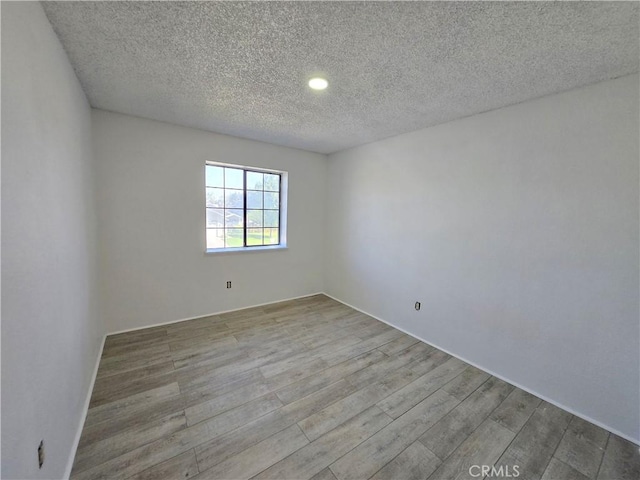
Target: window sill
223,251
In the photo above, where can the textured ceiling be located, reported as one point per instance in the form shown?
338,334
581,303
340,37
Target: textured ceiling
241,67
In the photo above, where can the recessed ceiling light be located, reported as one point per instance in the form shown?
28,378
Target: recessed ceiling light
318,83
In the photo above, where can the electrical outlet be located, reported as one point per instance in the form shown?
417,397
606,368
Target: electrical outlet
417,306
228,284
41,454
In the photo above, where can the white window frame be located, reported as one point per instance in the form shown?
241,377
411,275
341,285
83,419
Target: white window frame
284,177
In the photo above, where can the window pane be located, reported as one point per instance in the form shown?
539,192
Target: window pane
272,182
254,218
233,218
254,236
242,207
271,200
215,197
254,199
215,238
233,178
271,218
234,199
271,236
254,180
214,176
234,237
215,217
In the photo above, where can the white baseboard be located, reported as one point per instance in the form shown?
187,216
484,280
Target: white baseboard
85,410
215,313
515,384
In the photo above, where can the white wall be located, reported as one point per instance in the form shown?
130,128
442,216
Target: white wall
517,229
151,213
50,329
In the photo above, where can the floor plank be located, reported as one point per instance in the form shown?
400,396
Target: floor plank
409,396
176,468
312,389
445,436
582,447
216,387
304,387
138,418
399,344
317,401
534,445
557,470
127,440
325,474
123,385
131,404
373,454
482,447
466,383
416,462
432,360
340,411
225,446
235,417
222,403
621,460
319,454
514,412
259,457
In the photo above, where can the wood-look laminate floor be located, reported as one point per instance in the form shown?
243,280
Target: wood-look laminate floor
310,388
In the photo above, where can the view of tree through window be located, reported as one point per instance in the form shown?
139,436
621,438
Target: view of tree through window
243,207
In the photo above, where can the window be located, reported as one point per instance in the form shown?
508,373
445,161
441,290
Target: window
243,206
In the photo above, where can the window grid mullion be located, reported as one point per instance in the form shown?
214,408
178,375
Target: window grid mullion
244,204
279,206
224,206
